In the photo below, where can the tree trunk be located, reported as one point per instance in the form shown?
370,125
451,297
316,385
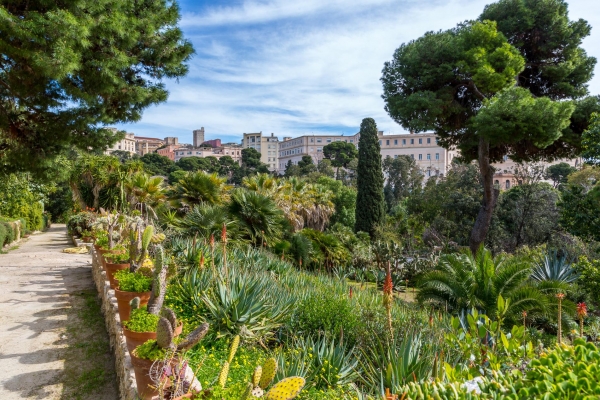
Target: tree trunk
490,196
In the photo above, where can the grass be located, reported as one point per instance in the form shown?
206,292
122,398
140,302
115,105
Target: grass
88,360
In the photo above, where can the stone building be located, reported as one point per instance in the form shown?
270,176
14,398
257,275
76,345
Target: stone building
267,146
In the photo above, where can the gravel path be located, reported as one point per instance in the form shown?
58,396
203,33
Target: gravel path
53,344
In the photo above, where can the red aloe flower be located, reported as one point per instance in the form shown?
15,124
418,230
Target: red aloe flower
581,310
388,286
224,234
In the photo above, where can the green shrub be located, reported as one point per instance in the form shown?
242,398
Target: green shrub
327,312
9,235
149,351
80,222
133,281
2,235
117,258
141,321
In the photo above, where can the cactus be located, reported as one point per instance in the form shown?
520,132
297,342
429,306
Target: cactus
139,243
193,338
135,303
164,334
169,315
256,376
286,389
247,394
223,374
269,370
233,349
159,285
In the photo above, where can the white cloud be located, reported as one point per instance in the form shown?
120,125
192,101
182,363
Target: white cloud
319,71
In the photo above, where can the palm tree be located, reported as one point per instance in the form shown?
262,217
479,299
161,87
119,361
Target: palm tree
199,187
207,219
463,282
257,215
145,192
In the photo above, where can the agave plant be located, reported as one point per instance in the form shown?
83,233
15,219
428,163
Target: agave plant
552,267
246,305
332,364
392,364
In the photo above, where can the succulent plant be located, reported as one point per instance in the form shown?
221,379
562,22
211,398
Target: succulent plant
169,315
139,243
286,389
165,333
159,285
225,370
135,303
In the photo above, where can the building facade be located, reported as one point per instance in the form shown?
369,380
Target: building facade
145,145
293,149
126,144
198,135
267,146
168,150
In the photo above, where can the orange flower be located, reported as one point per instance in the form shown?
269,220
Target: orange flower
224,234
581,310
212,240
560,296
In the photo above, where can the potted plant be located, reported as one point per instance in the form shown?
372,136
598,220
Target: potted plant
86,236
128,286
159,364
116,260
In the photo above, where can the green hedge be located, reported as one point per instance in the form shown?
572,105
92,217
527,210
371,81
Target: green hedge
2,234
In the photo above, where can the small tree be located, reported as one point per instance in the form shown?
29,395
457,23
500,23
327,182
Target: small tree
370,204
340,154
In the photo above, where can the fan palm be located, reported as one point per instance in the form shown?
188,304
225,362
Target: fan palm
199,187
207,219
257,215
463,282
145,192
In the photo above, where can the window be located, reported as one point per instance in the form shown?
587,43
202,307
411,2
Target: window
496,182
252,139
351,140
437,156
420,156
403,141
429,156
395,141
319,149
318,140
420,141
328,140
507,184
428,172
380,142
387,142
396,156
312,140
412,156
428,140
412,141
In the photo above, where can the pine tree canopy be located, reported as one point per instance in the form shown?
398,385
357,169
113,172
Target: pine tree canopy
370,202
71,68
511,84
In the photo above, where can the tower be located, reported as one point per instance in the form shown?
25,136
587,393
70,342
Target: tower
198,137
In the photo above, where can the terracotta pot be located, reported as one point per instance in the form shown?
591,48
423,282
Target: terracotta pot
111,270
123,299
145,386
134,339
185,396
101,253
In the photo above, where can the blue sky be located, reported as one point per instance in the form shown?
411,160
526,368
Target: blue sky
296,67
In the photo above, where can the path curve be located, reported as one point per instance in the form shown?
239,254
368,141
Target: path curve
43,293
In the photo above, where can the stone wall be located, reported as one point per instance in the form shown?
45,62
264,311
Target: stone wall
124,369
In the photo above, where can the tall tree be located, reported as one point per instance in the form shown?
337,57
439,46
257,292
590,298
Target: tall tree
156,164
70,68
494,92
306,165
558,173
370,204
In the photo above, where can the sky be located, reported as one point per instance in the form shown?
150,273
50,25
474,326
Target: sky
295,67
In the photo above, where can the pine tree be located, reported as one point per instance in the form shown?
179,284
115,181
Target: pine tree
370,203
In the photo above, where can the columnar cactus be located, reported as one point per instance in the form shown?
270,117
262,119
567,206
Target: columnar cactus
159,285
225,370
139,243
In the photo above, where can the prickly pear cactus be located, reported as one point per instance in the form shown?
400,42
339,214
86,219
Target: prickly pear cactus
164,334
223,374
234,347
134,303
193,338
269,370
286,389
170,315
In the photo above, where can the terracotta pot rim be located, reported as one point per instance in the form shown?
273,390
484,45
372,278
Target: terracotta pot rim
127,265
126,331
124,293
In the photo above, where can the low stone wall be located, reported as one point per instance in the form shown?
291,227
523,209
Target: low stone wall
124,369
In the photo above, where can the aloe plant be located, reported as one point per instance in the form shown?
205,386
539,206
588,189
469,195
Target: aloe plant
552,267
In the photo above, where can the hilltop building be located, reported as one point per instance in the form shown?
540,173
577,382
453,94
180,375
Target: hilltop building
267,146
126,144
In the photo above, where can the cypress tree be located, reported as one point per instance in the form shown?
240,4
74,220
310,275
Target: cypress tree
370,202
